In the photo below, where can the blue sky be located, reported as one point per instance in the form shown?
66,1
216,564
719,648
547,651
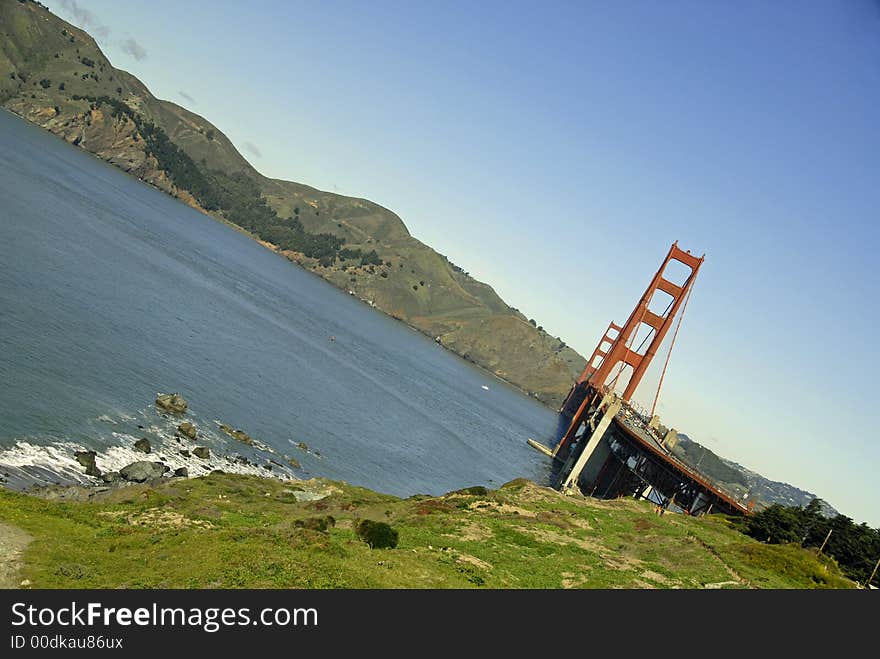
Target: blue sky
555,150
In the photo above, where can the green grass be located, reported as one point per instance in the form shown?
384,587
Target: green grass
229,531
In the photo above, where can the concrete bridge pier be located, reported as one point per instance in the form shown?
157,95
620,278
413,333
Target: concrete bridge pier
589,458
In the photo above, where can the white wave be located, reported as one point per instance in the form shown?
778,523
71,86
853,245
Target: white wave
27,463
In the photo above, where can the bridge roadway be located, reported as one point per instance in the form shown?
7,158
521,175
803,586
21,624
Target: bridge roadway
631,423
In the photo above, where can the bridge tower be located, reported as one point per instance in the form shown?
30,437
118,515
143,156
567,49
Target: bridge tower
615,350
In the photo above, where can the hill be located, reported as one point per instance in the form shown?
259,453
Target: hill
251,532
742,482
55,75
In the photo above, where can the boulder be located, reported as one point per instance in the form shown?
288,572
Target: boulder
184,453
187,429
144,445
110,476
174,403
239,435
87,460
181,472
202,452
138,472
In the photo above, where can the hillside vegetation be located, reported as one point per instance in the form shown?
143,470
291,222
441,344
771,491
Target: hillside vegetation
56,76
232,531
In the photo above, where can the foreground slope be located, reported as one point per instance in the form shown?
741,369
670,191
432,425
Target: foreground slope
51,73
233,531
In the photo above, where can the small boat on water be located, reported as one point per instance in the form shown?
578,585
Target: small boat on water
485,387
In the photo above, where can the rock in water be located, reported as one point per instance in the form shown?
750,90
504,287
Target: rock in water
138,472
187,429
110,476
202,452
174,403
240,435
143,445
181,472
87,460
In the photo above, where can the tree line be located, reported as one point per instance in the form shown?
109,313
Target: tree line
855,547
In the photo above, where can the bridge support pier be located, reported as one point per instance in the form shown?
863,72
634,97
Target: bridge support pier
568,482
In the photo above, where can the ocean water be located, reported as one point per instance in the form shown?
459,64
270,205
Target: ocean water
111,291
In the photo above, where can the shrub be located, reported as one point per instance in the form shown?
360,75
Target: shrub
378,535
476,490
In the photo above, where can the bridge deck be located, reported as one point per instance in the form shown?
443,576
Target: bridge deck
630,423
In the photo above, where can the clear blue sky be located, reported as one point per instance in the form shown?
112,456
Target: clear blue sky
541,144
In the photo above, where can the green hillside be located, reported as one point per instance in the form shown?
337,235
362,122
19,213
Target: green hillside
228,531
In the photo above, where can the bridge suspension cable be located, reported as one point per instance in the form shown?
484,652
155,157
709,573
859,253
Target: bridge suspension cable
669,353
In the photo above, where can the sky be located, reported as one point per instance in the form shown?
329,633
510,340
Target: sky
555,150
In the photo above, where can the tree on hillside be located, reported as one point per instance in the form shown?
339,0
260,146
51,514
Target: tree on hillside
854,547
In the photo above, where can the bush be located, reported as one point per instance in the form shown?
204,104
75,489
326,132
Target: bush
378,535
475,490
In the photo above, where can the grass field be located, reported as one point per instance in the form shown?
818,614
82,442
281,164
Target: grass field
231,531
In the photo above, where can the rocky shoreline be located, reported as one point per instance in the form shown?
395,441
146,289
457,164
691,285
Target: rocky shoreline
195,455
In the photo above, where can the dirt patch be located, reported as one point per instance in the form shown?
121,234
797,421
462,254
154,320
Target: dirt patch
472,532
432,506
656,577
721,584
612,560
572,580
553,537
645,525
555,519
531,492
158,518
461,557
13,542
502,508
